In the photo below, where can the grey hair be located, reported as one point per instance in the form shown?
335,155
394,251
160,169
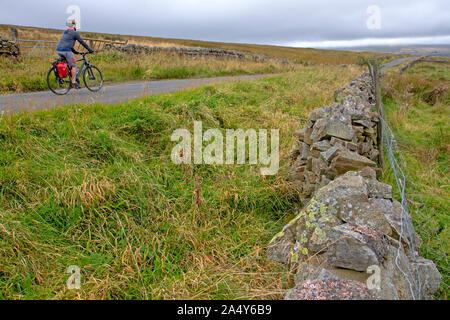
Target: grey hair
71,23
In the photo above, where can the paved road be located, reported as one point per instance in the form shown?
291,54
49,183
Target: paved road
396,62
108,95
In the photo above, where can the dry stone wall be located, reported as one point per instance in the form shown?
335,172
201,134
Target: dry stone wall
8,47
350,224
337,138
193,52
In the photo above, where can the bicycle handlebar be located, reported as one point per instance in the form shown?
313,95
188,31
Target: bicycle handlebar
83,53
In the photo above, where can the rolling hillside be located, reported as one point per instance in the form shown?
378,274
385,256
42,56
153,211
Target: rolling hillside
298,54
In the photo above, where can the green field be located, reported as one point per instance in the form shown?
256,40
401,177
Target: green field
417,104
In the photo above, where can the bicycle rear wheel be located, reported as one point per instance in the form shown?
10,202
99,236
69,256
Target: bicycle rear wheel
56,84
93,78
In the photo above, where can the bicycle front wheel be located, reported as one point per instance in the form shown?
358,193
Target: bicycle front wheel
56,84
93,78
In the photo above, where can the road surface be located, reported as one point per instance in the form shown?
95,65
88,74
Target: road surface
395,62
112,94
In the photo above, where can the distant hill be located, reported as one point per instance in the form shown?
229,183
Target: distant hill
419,50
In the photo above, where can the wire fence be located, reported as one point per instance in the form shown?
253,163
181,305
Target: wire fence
37,48
399,169
46,49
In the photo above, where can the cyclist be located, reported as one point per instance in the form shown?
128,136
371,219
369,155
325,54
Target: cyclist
66,49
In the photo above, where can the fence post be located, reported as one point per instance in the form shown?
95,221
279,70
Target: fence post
376,80
15,38
14,34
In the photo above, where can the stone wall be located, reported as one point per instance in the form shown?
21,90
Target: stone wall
193,52
337,138
8,47
412,63
350,225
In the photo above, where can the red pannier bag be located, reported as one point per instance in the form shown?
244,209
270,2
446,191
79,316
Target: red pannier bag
63,71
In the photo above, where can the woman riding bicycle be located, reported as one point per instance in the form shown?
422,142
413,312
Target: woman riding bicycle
66,49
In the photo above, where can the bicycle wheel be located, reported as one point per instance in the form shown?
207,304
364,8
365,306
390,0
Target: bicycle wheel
93,78
56,84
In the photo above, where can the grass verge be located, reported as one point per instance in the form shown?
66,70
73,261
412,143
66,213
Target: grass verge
94,186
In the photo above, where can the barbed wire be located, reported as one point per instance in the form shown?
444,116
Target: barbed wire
399,167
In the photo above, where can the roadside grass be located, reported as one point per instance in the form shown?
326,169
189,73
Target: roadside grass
30,74
94,186
432,71
417,107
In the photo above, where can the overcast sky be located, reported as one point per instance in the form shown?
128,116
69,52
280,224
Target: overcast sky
310,23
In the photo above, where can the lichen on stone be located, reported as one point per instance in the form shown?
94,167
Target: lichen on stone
311,205
294,257
321,236
322,208
303,239
277,236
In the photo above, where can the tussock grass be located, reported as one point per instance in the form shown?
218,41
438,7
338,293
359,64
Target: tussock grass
417,106
94,186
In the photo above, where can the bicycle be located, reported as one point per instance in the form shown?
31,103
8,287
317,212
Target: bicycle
92,77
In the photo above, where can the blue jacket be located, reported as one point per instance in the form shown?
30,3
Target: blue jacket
68,40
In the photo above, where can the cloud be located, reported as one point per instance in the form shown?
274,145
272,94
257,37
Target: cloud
372,42
254,21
